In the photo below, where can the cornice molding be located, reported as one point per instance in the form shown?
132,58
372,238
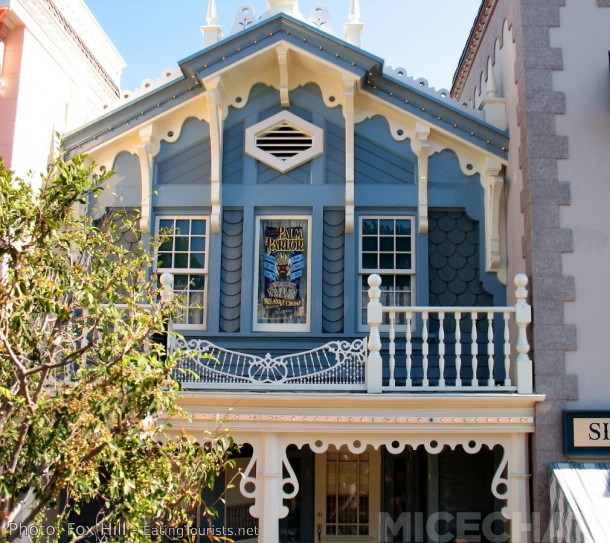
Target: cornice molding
62,41
77,40
472,47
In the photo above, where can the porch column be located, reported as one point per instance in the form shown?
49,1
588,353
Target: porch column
269,484
521,528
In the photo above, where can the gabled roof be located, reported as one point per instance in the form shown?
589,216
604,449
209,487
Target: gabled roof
220,58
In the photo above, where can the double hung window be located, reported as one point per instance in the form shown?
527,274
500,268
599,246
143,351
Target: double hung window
386,248
183,253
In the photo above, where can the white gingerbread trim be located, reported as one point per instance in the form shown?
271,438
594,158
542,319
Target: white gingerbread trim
145,155
215,113
422,149
349,91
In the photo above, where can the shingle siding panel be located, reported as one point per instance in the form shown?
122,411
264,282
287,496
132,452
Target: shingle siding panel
231,265
333,255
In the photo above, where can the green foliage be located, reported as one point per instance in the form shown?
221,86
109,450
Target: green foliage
84,388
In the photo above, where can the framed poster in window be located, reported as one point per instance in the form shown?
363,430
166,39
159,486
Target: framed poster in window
281,302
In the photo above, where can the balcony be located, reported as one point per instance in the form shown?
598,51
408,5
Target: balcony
408,350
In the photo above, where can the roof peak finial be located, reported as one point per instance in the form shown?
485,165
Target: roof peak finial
211,32
291,7
212,16
354,11
353,28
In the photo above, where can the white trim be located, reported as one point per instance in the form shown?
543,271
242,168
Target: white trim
189,271
272,327
284,118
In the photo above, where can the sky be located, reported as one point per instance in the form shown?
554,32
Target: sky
426,37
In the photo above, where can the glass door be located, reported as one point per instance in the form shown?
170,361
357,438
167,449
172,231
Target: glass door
347,496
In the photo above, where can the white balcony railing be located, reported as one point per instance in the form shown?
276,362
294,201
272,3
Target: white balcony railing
461,349
448,348
337,365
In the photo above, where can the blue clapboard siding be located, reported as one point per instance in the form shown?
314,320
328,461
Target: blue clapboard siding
300,175
190,166
188,159
233,154
390,163
126,183
231,267
335,154
333,264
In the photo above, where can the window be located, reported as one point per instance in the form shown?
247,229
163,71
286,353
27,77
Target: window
184,254
386,248
281,301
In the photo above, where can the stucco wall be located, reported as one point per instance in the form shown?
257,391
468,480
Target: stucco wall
585,82
535,201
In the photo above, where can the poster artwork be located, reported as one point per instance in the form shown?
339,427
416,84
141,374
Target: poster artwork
283,263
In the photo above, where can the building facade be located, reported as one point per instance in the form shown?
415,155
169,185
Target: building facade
550,62
353,316
57,68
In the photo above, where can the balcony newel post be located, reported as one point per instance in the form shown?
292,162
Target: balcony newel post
374,319
167,295
523,318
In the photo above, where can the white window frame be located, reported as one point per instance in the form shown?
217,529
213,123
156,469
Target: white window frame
189,271
365,272
281,327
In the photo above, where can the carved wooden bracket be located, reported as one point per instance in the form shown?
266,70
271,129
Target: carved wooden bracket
145,153
282,58
422,149
493,183
215,113
349,89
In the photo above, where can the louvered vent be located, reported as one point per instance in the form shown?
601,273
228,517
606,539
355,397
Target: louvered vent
284,141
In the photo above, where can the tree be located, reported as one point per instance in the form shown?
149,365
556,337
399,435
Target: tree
83,383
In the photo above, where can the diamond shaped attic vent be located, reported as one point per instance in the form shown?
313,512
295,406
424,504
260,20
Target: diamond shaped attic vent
284,141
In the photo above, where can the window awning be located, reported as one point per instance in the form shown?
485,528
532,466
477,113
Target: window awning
580,502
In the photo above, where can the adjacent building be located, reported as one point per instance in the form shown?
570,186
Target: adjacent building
549,61
57,68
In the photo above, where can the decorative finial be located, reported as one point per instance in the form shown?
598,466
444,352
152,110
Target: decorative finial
212,16
290,7
353,28
354,11
492,87
211,32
